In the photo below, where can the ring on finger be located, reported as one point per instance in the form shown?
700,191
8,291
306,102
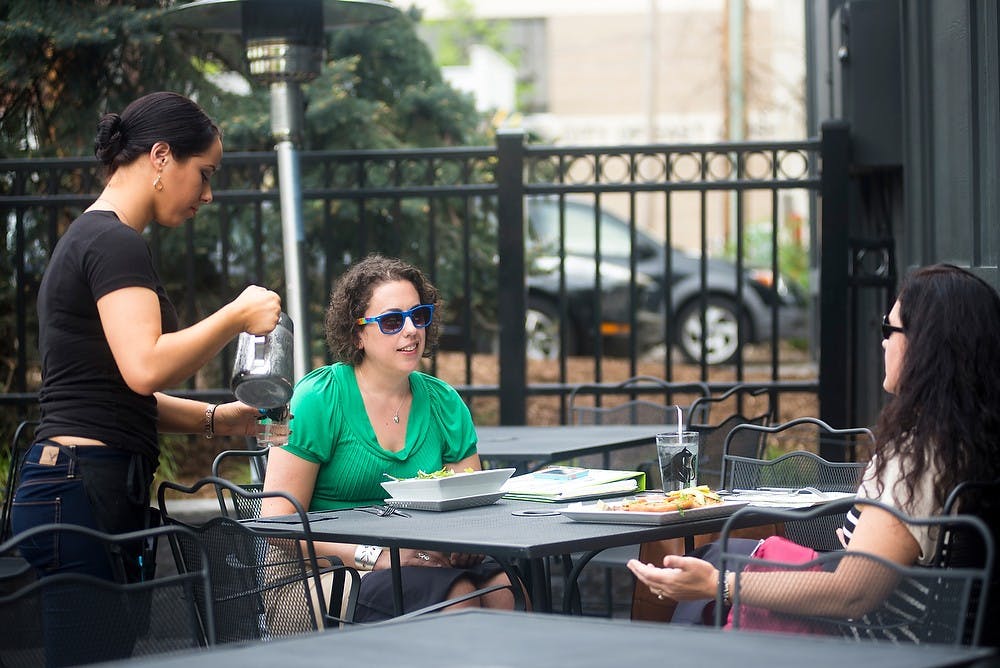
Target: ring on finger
424,556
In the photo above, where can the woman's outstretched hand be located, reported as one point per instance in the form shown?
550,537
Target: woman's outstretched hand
681,578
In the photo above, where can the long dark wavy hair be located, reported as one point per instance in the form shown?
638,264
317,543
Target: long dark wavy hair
352,293
946,410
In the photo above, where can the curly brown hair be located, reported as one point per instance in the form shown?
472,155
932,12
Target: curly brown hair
352,293
946,412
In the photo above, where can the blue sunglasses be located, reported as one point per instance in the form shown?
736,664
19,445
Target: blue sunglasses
392,322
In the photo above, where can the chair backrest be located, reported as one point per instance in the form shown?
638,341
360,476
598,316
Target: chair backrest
740,399
956,548
266,584
241,506
71,619
638,411
627,408
19,443
712,441
978,498
740,404
819,432
799,469
793,469
809,433
875,599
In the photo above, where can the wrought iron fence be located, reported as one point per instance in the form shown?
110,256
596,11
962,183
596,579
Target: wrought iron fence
460,213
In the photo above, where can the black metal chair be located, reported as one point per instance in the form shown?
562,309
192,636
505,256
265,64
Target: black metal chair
266,584
740,405
71,619
917,604
270,583
13,565
799,468
805,433
19,444
980,499
241,506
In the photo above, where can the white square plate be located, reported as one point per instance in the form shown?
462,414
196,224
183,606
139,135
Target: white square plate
458,503
455,486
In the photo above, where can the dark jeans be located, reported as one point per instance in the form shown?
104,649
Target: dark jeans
99,487
93,486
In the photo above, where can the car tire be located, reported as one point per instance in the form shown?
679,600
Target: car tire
541,328
721,320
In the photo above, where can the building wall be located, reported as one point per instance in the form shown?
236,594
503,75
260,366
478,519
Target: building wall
951,135
608,67
642,71
918,81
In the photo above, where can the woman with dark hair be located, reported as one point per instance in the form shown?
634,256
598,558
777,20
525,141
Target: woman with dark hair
110,340
942,366
374,413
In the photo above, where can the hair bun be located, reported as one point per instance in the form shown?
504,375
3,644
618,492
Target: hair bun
110,138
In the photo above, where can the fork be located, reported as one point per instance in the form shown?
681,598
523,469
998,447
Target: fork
385,511
382,511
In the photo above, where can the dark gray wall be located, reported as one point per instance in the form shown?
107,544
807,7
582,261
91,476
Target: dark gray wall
919,83
951,92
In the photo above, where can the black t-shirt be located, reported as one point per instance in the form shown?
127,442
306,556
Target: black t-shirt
83,392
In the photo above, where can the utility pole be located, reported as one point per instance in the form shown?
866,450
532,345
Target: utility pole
734,26
647,210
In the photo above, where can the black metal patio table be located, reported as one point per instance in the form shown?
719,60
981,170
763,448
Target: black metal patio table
518,534
512,640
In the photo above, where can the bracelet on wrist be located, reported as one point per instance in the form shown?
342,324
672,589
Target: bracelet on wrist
365,557
210,420
727,597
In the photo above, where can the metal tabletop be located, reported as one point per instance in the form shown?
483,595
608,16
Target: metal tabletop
522,446
520,543
517,640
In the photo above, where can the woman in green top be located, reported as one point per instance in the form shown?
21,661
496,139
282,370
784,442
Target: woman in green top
373,413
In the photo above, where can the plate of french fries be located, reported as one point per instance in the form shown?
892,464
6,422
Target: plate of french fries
655,507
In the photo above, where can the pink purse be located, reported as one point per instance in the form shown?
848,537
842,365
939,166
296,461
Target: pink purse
779,549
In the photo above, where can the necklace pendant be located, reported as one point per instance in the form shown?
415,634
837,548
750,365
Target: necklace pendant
395,418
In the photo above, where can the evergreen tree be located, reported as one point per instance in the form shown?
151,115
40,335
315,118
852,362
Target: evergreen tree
65,62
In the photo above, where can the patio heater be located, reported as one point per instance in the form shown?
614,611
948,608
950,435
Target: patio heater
283,43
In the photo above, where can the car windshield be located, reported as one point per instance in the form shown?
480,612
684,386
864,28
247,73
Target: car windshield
580,237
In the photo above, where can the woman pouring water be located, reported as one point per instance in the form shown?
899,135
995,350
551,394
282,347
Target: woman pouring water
110,340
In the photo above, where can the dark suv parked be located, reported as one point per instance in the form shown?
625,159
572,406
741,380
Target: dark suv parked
615,323
721,312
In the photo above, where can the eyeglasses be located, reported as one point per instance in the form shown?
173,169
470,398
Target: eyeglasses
887,329
392,322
